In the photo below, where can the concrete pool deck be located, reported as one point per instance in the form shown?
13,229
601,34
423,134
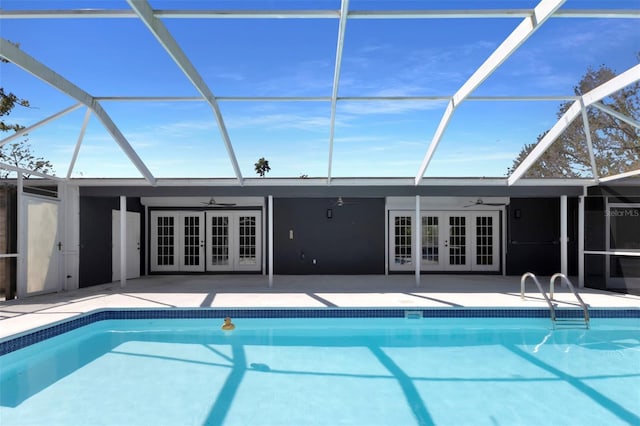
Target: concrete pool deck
307,291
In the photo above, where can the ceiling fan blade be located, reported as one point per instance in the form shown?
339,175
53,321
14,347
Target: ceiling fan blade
212,203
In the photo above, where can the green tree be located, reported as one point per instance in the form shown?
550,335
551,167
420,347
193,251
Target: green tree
262,167
616,144
19,154
7,102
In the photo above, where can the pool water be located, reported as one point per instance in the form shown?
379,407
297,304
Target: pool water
327,372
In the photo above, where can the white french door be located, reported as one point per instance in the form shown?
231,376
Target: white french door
234,241
401,241
486,244
132,244
450,241
43,246
177,241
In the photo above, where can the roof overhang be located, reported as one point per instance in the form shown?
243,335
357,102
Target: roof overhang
318,187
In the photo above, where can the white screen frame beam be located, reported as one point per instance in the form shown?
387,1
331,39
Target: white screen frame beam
620,81
166,40
26,130
13,54
344,10
520,34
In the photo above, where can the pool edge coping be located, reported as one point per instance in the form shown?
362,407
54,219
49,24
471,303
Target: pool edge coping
29,337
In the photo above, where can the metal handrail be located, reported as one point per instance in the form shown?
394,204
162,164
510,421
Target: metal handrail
552,310
573,290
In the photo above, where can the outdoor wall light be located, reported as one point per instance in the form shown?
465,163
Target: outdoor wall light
329,213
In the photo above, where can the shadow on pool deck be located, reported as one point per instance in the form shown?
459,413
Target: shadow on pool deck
312,291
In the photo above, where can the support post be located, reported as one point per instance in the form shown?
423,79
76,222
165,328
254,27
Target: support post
270,237
581,241
147,219
563,235
417,227
63,227
21,270
123,241
503,240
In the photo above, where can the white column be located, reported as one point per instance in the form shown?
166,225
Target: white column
563,235
21,249
147,220
607,241
581,241
123,241
386,236
503,240
417,228
270,237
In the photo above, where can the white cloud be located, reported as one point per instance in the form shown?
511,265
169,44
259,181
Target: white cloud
387,107
280,121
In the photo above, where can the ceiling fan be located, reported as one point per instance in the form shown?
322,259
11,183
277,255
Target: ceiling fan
480,202
212,203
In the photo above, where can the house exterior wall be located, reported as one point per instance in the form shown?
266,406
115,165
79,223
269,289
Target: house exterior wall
612,223
533,236
4,263
8,239
595,240
351,241
95,238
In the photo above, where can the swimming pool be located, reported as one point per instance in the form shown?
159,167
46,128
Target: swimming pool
330,366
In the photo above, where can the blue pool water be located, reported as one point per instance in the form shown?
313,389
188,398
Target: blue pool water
327,371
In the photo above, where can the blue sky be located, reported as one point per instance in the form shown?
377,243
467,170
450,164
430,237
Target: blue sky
296,57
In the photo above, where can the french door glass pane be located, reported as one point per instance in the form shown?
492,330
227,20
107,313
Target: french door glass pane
247,240
457,240
192,240
484,240
220,240
430,239
166,246
402,244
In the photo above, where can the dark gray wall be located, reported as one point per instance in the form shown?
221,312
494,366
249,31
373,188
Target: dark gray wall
95,237
8,240
351,242
594,239
533,238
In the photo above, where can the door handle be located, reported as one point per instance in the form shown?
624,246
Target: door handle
446,243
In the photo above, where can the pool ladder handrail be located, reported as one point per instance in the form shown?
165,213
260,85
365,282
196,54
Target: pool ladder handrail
552,281
552,310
